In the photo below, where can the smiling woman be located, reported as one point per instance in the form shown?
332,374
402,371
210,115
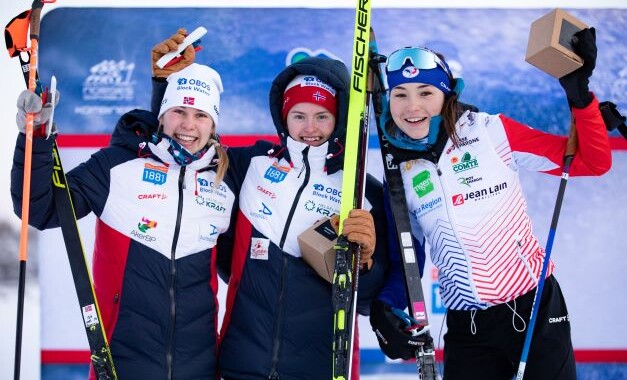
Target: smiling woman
309,110
189,116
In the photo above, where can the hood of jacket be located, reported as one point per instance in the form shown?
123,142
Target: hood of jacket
133,129
334,73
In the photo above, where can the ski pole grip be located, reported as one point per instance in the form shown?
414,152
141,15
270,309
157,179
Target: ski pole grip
571,146
35,18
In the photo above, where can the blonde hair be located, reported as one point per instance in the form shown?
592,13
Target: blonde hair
223,158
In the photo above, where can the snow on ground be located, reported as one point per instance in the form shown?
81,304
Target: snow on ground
30,358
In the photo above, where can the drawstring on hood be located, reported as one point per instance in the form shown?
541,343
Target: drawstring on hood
340,147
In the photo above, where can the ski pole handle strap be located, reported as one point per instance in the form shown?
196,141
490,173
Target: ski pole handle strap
571,147
35,17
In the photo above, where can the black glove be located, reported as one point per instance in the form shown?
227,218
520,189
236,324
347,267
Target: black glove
612,118
398,334
575,84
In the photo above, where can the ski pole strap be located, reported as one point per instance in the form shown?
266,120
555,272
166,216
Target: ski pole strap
571,146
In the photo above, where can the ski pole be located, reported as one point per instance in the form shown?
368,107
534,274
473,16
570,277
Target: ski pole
35,16
568,158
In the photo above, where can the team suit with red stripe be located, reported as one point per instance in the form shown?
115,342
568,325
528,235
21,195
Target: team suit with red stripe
467,202
153,266
279,316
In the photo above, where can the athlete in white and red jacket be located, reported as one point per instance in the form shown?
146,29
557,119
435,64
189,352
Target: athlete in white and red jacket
460,176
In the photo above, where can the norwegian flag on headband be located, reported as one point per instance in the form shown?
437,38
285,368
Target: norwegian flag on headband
318,97
308,89
188,100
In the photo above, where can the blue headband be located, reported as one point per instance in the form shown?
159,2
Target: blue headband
418,65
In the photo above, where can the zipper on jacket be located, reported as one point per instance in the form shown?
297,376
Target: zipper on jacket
297,198
274,375
177,230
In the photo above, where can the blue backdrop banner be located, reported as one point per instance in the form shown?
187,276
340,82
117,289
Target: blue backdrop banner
108,73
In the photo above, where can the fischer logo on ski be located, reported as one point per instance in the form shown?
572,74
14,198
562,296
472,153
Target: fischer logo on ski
346,274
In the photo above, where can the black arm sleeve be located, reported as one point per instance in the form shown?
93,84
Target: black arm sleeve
158,90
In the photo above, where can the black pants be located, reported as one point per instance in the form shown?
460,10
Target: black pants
493,352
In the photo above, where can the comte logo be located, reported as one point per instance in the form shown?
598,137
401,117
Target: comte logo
467,163
458,199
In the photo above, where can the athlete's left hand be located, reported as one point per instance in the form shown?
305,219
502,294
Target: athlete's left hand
171,44
29,102
359,229
575,84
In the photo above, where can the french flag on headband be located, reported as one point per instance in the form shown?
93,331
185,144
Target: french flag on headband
188,100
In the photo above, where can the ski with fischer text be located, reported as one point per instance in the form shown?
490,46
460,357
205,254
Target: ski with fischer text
346,274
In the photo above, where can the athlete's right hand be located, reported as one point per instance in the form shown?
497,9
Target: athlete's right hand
171,44
29,102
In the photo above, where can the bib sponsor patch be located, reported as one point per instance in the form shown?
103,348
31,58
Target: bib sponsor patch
259,248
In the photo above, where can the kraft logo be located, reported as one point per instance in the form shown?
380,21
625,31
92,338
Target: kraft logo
309,205
458,199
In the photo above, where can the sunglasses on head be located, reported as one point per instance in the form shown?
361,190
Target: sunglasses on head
421,58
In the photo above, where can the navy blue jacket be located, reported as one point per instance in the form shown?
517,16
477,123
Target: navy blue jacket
157,224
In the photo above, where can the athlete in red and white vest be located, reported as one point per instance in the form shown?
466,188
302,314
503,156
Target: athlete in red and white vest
460,178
